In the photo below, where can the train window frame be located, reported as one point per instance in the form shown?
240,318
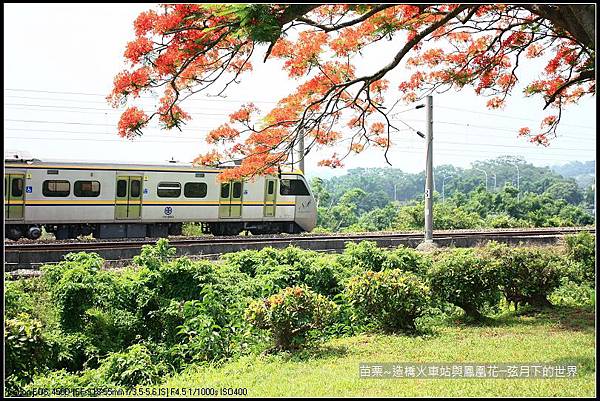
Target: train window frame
86,193
20,181
123,193
135,192
203,189
54,193
237,188
163,192
286,189
225,194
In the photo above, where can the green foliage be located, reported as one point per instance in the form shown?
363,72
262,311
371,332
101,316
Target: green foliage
363,256
212,327
393,299
568,191
257,22
26,350
275,270
80,326
135,366
362,200
77,284
580,249
291,316
245,261
573,294
407,260
528,274
152,257
466,280
192,230
503,220
17,299
379,219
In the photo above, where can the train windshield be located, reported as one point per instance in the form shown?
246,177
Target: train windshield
293,187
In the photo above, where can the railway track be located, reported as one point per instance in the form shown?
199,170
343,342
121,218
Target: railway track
30,255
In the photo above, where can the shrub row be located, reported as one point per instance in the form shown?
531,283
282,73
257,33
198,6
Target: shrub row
135,326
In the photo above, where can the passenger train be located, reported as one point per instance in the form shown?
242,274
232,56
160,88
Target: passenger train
136,201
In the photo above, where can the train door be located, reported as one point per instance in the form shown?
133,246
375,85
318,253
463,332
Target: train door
128,199
230,200
270,197
14,196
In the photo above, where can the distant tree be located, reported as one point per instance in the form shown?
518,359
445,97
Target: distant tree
322,196
183,49
566,190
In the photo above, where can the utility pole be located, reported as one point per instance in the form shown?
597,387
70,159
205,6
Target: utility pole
494,182
484,172
444,187
429,173
301,151
518,190
395,198
428,243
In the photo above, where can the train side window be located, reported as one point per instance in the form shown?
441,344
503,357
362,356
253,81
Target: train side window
168,189
121,188
271,187
135,188
86,188
17,187
225,190
195,190
56,188
293,187
237,190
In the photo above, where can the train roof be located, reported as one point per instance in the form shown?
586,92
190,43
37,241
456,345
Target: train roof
182,167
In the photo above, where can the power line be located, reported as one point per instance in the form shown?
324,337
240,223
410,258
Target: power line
123,140
80,123
102,111
508,117
468,125
142,97
176,135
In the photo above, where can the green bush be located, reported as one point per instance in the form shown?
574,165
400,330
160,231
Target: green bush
393,299
63,380
71,351
135,366
528,274
407,260
573,294
363,256
324,276
504,220
212,327
245,261
291,315
274,270
17,299
26,351
76,285
152,257
466,280
580,249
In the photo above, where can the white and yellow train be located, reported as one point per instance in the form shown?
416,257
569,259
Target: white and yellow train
135,201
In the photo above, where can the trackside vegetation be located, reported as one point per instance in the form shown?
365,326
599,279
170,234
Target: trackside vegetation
167,319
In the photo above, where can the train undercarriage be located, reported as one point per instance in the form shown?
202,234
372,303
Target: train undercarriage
142,230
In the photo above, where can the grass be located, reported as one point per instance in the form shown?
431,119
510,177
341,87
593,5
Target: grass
560,336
